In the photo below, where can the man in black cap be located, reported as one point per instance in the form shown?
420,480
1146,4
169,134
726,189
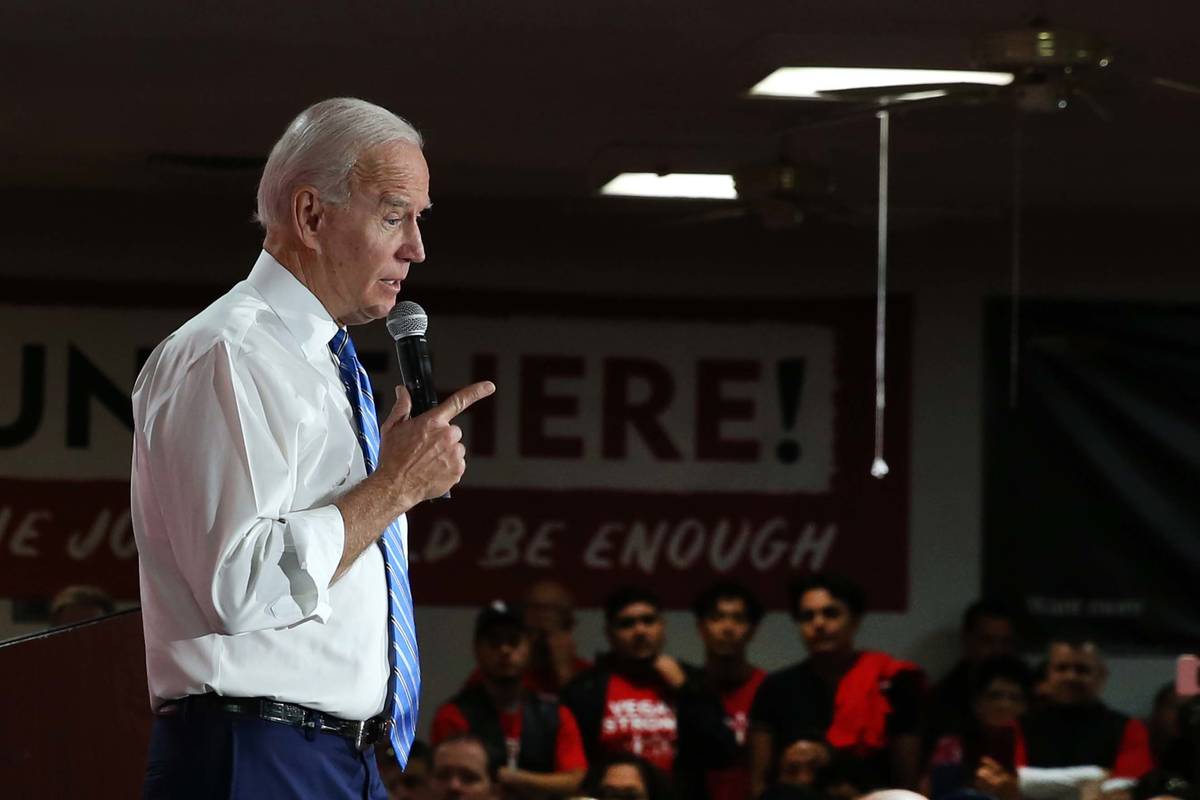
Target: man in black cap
535,739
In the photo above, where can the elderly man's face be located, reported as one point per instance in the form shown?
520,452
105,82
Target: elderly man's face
367,244
1074,675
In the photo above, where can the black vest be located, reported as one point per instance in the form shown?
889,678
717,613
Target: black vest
539,727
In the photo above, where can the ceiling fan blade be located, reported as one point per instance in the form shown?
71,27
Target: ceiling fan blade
1095,105
1176,86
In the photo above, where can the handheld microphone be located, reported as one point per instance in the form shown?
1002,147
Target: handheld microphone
407,324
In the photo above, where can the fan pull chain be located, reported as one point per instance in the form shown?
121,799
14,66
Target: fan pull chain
879,467
1014,322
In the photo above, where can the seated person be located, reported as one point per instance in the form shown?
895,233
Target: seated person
1000,690
842,777
464,770
1163,722
988,630
802,764
549,613
410,783
638,700
866,702
531,735
79,604
1074,728
627,777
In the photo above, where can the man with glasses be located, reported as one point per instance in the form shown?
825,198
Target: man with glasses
1075,728
638,700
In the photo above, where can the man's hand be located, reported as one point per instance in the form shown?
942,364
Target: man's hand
670,671
419,459
993,779
422,457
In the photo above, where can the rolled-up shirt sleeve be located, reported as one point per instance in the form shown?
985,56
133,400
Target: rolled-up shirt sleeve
224,451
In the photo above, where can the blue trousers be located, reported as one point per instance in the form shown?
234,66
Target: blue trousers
211,756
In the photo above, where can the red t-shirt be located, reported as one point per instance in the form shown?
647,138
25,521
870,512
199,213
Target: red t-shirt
568,747
733,783
639,720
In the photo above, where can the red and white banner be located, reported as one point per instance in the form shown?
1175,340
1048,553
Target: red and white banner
627,441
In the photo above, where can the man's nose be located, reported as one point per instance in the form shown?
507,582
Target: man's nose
414,246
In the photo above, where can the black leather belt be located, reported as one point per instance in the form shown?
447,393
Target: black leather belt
364,733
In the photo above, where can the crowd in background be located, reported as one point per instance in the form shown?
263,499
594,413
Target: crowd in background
535,720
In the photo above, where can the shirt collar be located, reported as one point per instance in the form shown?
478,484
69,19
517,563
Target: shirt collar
298,308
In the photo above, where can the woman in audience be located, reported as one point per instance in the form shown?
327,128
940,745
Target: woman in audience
865,702
627,777
987,749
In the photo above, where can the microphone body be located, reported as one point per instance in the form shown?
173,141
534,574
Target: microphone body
406,324
416,372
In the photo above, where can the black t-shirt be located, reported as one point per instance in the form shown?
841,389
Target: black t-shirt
1068,736
797,703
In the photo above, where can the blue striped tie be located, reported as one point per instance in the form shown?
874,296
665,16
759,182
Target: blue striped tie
404,680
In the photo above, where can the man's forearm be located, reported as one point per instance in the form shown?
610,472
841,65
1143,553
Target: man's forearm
552,783
367,510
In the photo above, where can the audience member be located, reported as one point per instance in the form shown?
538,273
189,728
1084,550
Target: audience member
988,629
410,783
79,604
638,700
626,777
1163,722
464,770
801,762
549,613
534,737
845,777
866,702
727,616
988,742
1178,773
1074,728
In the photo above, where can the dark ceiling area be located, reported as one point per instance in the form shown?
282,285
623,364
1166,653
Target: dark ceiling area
541,101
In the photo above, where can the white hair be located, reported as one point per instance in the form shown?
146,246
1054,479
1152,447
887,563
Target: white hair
320,148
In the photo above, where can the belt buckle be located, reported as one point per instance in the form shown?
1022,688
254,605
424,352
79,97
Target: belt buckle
360,735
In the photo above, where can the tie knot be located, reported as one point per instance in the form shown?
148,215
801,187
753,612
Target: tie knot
342,347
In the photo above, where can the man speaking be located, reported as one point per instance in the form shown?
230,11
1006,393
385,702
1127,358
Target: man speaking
268,503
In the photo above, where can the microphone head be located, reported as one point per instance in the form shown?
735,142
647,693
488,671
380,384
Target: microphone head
407,319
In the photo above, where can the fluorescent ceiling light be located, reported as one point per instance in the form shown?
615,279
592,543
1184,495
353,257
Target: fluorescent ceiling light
908,96
674,184
815,81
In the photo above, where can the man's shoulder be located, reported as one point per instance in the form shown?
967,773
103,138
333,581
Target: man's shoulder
584,683
230,320
799,673
1055,715
234,325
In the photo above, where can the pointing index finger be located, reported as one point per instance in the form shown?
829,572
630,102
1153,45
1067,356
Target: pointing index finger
461,400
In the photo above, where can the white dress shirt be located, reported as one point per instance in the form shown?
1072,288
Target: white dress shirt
243,438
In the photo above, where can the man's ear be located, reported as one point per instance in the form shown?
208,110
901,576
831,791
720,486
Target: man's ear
308,213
